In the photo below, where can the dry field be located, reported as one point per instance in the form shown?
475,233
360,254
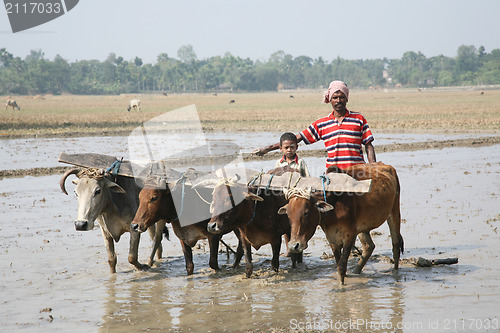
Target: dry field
393,110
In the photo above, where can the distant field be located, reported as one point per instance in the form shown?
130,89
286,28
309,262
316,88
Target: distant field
393,110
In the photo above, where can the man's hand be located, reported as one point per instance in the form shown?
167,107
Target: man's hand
260,151
264,150
370,153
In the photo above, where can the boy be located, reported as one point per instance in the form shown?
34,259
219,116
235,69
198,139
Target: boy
288,146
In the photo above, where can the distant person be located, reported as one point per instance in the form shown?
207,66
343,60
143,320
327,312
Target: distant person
343,132
288,146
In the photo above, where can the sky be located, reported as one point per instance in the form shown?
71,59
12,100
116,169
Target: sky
354,29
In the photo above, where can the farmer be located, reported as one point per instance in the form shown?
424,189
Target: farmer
342,131
288,146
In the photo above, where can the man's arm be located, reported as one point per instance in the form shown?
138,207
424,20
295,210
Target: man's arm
370,153
264,150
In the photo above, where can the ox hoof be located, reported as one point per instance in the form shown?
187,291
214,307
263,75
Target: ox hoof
153,264
142,267
357,270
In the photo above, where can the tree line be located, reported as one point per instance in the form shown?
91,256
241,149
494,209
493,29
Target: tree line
37,75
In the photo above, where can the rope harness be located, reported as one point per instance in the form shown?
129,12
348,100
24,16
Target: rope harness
114,168
92,173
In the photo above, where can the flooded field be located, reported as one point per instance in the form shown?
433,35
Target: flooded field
35,153
55,279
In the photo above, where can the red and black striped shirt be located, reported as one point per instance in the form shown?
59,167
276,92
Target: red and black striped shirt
342,140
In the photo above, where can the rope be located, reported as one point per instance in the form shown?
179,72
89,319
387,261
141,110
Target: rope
254,178
304,193
297,182
269,183
182,200
324,179
290,180
92,173
114,168
199,195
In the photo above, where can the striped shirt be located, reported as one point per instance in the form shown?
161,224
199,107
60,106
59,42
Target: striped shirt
342,140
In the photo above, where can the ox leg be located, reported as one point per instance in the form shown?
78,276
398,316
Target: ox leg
133,253
396,238
247,248
300,257
110,248
156,234
342,265
213,243
275,261
287,240
188,257
368,247
239,250
337,251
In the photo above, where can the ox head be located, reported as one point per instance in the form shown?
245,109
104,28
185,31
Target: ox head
232,205
94,195
303,210
154,205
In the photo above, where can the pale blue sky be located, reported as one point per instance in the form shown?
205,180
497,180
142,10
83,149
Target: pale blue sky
351,29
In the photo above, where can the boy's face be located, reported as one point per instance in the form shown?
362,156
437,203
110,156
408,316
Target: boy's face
288,148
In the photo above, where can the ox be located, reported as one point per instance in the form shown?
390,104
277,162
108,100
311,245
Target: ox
343,216
158,203
113,205
134,104
254,216
12,103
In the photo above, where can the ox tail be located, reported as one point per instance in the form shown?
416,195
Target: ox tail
166,233
397,208
401,244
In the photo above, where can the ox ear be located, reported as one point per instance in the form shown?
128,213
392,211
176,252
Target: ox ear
323,206
251,196
114,187
282,210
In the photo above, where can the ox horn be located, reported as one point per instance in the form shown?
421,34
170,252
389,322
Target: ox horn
62,182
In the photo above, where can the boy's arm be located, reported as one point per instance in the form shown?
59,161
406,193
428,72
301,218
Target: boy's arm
264,150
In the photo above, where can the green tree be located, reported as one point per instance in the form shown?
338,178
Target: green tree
186,54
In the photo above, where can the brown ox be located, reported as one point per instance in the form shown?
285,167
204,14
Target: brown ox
344,216
237,207
157,203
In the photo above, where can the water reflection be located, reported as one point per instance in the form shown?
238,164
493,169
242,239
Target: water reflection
212,302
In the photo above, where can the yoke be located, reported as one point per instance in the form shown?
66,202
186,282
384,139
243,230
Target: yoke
158,175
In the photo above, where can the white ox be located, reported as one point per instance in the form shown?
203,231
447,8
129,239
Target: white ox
134,104
12,103
113,205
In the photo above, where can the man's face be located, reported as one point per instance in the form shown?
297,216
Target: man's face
339,101
289,148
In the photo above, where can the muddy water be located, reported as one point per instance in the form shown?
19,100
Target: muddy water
34,153
53,278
